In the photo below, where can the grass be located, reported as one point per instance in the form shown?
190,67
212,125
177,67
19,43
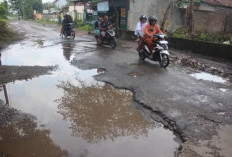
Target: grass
7,35
4,20
85,28
182,32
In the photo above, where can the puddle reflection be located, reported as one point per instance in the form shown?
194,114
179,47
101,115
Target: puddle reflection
100,112
5,94
68,49
19,137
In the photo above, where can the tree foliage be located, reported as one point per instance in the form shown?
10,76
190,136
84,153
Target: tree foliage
38,6
49,5
26,7
16,5
3,9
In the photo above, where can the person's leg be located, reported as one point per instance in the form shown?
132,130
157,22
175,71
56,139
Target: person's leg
141,43
150,46
61,31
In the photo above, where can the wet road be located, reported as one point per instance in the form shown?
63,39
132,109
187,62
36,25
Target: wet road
70,113
82,116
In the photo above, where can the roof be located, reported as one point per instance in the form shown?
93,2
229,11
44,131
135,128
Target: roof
223,3
185,3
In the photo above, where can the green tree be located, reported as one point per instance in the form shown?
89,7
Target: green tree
38,6
28,9
3,9
49,5
17,5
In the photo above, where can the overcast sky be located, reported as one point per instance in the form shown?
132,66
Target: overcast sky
44,1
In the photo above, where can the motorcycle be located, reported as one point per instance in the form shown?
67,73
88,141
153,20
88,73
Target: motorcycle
160,51
68,30
108,39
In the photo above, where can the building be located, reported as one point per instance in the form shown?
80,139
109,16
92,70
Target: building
130,11
214,16
153,7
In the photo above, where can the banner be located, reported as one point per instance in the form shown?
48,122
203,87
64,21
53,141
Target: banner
103,6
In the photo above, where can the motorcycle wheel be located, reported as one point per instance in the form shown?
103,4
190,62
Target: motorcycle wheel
165,61
65,35
99,41
73,35
141,56
113,43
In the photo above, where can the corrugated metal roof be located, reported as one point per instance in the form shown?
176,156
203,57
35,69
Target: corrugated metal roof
224,3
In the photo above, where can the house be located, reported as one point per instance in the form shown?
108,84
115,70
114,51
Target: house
153,7
216,5
214,16
76,8
130,11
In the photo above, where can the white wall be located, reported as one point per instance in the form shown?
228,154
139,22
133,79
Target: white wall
151,7
79,9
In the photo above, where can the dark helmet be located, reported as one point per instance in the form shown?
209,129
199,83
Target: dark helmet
152,19
65,15
143,17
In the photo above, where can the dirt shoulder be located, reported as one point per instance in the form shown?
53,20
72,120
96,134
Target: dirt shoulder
8,35
13,73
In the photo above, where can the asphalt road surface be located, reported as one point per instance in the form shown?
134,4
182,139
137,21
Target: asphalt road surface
196,106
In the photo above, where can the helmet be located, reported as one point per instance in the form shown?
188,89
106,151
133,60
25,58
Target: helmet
143,17
65,15
152,19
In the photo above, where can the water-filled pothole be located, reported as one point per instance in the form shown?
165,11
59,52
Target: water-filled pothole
75,114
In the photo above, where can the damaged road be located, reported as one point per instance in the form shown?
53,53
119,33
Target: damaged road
199,112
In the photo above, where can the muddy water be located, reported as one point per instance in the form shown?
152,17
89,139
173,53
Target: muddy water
74,114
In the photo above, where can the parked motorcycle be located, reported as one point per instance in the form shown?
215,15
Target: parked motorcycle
108,39
68,30
160,51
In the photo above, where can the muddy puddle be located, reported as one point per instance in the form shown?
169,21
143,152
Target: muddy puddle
74,115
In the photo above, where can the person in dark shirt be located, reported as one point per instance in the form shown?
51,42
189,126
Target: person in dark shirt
106,24
97,25
67,19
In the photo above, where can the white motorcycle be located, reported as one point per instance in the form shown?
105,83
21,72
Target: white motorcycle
108,39
160,51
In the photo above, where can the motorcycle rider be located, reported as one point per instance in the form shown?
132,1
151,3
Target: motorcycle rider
65,21
97,25
139,30
106,24
150,30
